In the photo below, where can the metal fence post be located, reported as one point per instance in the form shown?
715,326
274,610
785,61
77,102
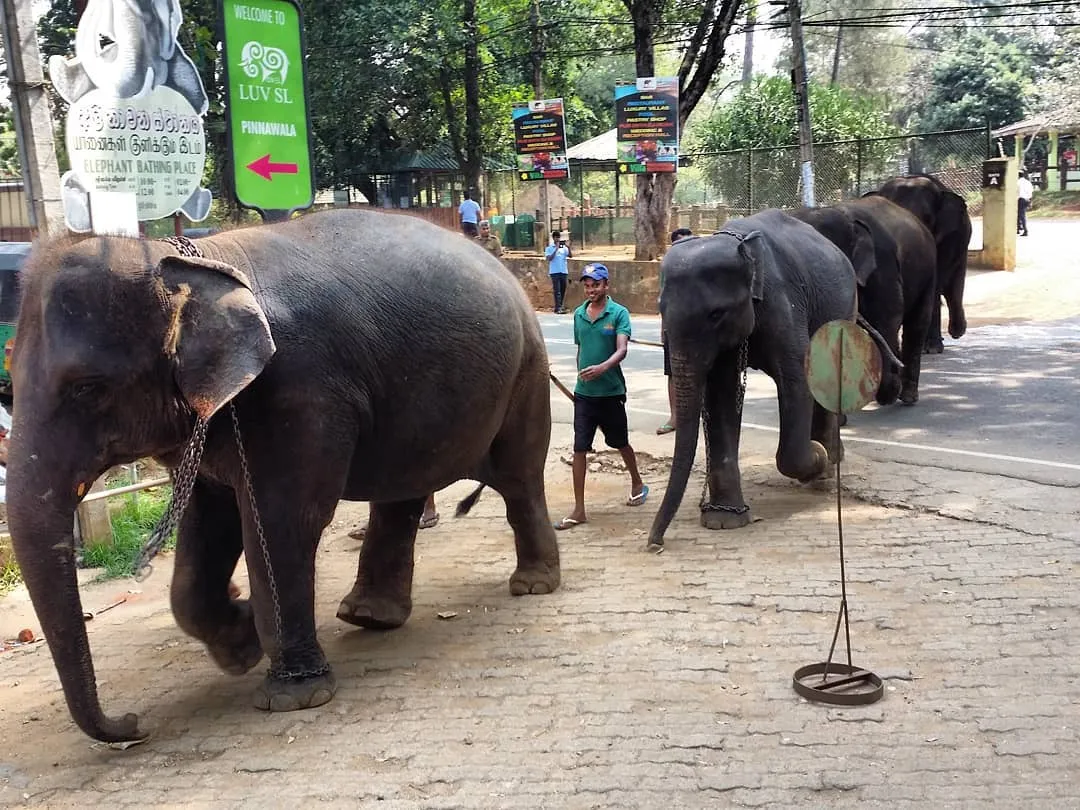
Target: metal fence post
858,167
749,182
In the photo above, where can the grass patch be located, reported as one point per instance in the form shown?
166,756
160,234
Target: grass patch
132,522
1055,204
10,577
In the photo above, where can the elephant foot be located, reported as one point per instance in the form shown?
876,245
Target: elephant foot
725,520
934,347
374,612
293,694
236,648
542,578
820,466
957,326
909,395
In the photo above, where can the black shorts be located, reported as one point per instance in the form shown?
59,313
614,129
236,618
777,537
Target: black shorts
606,413
470,229
667,355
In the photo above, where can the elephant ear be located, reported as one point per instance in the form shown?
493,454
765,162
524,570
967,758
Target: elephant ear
863,252
950,216
752,249
218,335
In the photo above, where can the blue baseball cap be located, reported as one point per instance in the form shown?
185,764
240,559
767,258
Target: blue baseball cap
596,271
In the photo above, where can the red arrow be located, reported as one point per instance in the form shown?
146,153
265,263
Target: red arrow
264,168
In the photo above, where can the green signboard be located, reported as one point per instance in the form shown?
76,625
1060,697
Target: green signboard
267,106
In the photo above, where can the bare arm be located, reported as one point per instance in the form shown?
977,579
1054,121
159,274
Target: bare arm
622,343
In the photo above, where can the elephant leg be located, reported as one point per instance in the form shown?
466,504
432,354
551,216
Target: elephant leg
297,477
208,545
798,456
917,325
934,343
892,379
515,469
823,431
954,297
381,597
724,425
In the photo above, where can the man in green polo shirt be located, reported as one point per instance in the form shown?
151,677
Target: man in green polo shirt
602,335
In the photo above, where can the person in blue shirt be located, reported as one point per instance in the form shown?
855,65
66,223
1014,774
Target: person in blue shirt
556,254
469,211
602,335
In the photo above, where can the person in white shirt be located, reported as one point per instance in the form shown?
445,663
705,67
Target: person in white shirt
469,211
1024,191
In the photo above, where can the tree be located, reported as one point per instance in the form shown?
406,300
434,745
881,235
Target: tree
764,115
983,81
705,29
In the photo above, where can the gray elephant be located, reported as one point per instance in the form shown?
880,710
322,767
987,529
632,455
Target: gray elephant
328,366
945,215
750,295
895,259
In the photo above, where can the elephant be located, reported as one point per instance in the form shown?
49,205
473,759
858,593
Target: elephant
758,289
894,257
344,354
945,214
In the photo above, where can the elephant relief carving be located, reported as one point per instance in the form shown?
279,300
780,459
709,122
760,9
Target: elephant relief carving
127,48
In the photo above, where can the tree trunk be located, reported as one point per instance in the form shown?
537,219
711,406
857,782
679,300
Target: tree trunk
472,101
652,210
748,46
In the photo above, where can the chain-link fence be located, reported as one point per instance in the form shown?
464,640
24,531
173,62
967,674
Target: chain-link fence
748,180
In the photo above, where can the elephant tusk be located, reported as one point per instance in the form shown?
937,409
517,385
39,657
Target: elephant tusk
882,345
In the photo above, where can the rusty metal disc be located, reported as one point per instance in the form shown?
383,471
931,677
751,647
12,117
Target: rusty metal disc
843,367
844,686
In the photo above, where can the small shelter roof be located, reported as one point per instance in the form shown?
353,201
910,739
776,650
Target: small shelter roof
599,149
439,159
1063,119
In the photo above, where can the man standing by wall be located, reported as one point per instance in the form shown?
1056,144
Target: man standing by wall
556,254
489,241
1024,190
602,335
469,211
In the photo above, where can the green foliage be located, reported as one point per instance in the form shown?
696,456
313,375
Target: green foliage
763,117
764,114
9,149
985,80
10,577
131,524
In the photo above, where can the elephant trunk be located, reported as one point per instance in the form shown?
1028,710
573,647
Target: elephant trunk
41,508
689,386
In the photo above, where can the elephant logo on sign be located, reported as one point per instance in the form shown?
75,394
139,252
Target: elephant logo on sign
127,48
265,63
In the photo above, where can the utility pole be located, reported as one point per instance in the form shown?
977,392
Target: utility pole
836,54
802,99
473,158
540,234
748,46
33,122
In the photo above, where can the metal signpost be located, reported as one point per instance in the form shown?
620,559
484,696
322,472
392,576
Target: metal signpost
266,93
843,368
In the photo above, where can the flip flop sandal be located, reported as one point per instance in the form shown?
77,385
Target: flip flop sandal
639,499
667,427
427,523
568,523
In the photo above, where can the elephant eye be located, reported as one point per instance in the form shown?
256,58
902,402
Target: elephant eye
85,389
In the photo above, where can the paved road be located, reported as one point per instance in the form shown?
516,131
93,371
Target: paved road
1002,400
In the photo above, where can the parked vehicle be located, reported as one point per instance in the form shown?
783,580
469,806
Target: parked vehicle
12,256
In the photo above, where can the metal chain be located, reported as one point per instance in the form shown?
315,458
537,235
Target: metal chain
740,396
246,470
183,483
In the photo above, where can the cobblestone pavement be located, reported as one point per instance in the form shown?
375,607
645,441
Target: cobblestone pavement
646,681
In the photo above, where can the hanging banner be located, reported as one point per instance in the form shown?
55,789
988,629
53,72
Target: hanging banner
540,140
135,124
647,118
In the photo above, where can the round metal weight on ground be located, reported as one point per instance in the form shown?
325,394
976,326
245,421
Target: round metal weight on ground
845,685
843,367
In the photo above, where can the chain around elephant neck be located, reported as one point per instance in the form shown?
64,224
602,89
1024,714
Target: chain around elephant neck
183,481
740,396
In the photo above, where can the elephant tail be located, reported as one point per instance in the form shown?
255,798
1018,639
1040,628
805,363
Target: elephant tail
469,502
886,352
